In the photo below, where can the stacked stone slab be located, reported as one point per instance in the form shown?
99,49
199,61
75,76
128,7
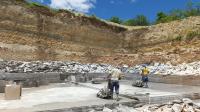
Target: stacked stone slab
29,79
2,86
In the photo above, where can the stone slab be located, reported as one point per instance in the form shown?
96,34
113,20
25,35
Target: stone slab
58,97
168,79
2,86
157,92
82,77
63,97
32,79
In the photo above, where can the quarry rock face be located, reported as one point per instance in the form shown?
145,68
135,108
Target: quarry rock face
30,32
37,33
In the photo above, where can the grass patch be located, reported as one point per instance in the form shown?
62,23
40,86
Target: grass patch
95,17
34,4
42,8
20,0
192,35
178,38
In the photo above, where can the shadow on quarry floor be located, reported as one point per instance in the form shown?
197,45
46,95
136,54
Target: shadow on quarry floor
63,96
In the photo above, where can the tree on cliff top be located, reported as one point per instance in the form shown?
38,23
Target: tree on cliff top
192,9
139,20
115,19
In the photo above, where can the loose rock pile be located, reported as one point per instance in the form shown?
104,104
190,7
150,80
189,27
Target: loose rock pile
184,105
121,108
52,66
75,67
168,69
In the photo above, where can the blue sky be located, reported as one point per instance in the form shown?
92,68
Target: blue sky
124,9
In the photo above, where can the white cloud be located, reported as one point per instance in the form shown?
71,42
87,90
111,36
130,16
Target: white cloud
78,5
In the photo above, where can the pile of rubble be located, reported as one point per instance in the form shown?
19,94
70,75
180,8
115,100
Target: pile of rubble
52,66
168,69
75,67
184,105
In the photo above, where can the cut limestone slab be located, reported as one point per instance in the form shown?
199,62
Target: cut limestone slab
2,86
12,92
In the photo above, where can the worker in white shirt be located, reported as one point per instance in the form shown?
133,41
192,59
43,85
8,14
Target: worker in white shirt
116,75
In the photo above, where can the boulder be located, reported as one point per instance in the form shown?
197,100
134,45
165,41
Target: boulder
105,109
177,108
177,102
187,101
2,86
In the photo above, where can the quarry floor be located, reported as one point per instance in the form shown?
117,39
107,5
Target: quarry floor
197,102
59,96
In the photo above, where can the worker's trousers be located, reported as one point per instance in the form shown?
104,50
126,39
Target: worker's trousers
115,85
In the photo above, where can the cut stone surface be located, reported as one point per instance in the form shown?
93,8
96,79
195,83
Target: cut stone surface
197,102
55,96
154,90
63,96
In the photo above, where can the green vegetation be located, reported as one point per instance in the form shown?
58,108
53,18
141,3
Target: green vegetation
20,0
192,9
35,4
115,19
178,38
129,22
163,18
140,20
95,17
192,35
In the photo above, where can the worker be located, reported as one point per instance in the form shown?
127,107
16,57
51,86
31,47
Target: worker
144,74
109,86
109,81
116,75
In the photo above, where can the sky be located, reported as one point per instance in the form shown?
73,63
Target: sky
124,9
